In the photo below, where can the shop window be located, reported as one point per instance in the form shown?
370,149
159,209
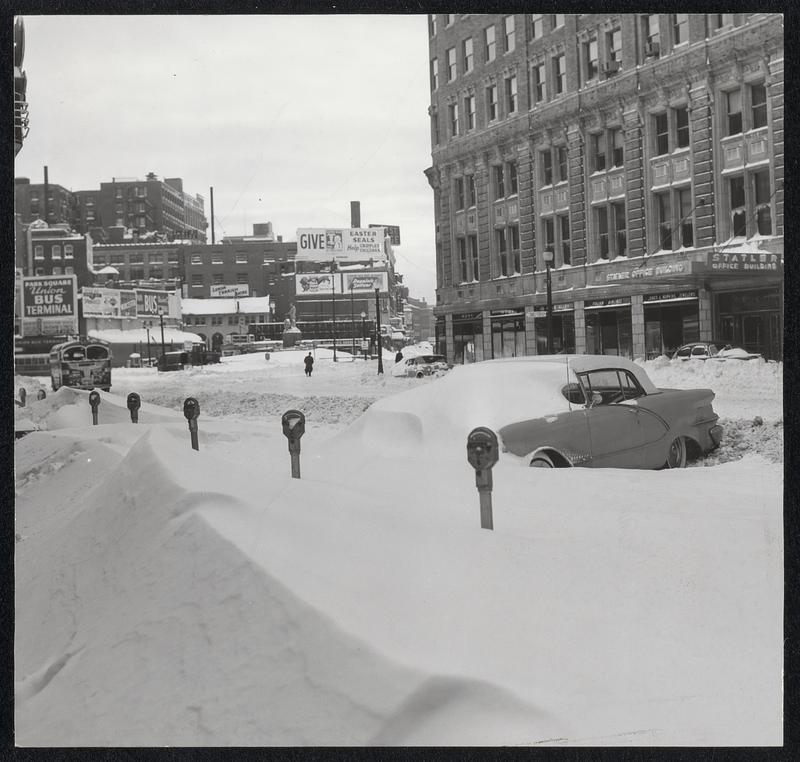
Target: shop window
559,73
467,55
539,83
434,74
469,111
491,103
452,69
490,44
458,185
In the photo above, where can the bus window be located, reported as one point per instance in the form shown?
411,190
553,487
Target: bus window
95,352
74,354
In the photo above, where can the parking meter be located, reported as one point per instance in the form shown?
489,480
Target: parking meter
134,403
482,454
94,402
191,410
41,394
22,396
294,426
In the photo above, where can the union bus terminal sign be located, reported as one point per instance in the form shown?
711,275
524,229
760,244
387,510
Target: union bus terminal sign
49,305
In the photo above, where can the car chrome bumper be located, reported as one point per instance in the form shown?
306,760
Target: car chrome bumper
716,432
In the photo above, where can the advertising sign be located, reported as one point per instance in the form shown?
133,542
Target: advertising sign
393,231
341,244
744,261
673,296
150,303
49,305
325,284
100,302
237,291
127,304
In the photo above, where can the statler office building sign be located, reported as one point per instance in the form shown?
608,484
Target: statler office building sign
49,305
340,244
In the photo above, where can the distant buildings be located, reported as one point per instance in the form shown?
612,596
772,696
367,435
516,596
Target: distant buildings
636,159
20,87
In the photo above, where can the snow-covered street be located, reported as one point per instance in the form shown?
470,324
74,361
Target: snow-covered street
166,596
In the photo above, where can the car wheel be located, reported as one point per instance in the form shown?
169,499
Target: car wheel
676,457
420,374
542,461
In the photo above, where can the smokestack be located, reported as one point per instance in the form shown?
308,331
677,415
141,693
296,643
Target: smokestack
212,215
46,194
355,214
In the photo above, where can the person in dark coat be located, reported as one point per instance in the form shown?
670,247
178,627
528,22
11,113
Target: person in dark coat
399,356
309,361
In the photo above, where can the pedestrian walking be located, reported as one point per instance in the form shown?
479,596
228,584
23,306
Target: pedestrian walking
399,356
309,361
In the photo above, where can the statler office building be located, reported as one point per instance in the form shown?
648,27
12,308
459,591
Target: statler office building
634,160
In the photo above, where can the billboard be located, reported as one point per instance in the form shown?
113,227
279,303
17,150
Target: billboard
238,291
151,303
393,231
49,305
341,244
325,284
100,302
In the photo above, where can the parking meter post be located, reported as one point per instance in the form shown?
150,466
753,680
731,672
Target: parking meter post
293,423
22,396
134,403
191,410
94,402
482,454
41,394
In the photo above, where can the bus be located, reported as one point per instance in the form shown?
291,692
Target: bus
81,364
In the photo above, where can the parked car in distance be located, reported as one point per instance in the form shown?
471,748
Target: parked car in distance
714,350
172,361
606,412
421,366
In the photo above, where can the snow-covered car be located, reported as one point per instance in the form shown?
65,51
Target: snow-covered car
421,366
714,350
614,416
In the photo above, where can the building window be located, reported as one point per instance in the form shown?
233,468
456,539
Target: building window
57,271
240,257
155,258
69,271
510,37
157,273
432,25
216,259
136,273
664,221
199,319
680,28
491,103
216,320
661,122
717,21
472,243
758,106
682,126
556,20
547,167
499,185
217,279
472,195
452,69
620,230
241,278
511,94
512,234
462,259
490,43
566,250
435,128
469,111
762,192
468,55
40,270
590,59
502,253
615,142
452,110
458,185
733,111
537,25
601,222
38,252
561,163
683,201
614,48
233,320
197,259
449,19
549,230
513,182
559,73
141,208
434,74
652,35
598,151
539,92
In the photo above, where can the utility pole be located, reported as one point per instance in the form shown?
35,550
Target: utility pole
378,330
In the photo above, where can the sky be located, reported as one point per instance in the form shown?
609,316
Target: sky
167,596
288,118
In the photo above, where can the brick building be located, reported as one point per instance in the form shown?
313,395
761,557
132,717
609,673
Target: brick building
641,153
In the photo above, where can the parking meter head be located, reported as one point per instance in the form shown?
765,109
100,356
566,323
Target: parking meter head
134,401
94,398
191,408
294,424
41,394
482,448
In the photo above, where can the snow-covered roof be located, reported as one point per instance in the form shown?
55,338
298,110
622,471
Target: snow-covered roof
246,305
136,335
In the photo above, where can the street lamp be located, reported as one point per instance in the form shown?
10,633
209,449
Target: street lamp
548,262
161,319
333,304
363,330
352,320
147,328
378,330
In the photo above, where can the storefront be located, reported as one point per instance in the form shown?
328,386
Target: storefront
670,320
563,329
508,333
608,326
752,320
468,337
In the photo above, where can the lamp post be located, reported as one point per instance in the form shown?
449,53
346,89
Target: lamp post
548,261
363,331
378,330
147,328
161,320
352,321
271,315
333,304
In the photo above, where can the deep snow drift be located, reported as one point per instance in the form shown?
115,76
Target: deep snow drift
171,597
